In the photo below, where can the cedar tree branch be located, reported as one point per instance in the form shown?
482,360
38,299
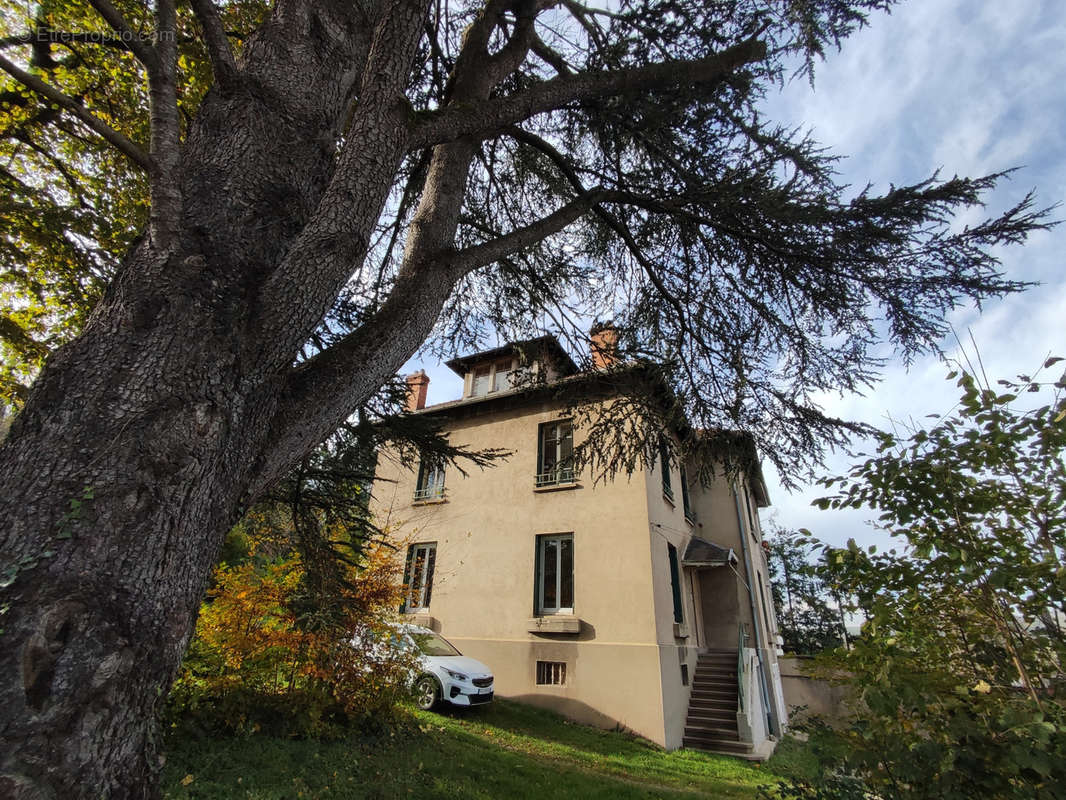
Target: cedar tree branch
320,388
612,222
468,259
460,120
549,56
301,289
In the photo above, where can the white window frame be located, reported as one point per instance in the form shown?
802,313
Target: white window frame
430,482
412,561
562,468
542,544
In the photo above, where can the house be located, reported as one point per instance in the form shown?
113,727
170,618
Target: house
640,602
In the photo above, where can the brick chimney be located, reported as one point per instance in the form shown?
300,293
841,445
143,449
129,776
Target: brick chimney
417,386
603,340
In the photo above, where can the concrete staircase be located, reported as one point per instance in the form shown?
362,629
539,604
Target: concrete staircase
712,708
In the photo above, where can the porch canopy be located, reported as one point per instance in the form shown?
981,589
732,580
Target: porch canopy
701,553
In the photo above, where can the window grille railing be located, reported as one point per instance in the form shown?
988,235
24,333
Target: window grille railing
554,476
429,493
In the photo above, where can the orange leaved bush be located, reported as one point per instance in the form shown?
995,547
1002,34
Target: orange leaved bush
262,657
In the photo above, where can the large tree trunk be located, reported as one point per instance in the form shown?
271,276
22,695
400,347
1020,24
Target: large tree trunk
145,438
121,476
115,507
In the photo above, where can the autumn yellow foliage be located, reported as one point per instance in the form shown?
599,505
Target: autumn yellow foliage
259,655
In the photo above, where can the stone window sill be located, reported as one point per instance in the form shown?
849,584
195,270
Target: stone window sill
421,618
555,623
557,487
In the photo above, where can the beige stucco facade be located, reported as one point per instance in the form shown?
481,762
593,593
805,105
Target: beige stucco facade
622,650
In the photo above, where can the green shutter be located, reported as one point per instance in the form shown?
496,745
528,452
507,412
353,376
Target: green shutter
675,583
566,450
540,453
684,494
431,560
664,463
407,578
536,575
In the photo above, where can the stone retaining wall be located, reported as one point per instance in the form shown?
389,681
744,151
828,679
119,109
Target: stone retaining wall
819,696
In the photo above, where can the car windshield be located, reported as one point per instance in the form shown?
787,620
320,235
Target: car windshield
433,645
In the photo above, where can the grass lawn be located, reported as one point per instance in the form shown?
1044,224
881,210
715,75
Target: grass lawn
507,750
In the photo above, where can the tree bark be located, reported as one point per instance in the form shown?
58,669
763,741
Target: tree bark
137,447
144,439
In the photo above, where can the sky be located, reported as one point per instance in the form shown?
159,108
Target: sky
968,87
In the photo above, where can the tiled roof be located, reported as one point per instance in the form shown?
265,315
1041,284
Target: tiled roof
543,345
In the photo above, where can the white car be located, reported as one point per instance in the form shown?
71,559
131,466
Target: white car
445,674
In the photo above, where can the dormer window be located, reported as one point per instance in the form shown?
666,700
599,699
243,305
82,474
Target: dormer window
480,382
492,377
504,369
500,381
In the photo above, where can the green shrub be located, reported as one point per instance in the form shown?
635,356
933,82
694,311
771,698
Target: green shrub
958,674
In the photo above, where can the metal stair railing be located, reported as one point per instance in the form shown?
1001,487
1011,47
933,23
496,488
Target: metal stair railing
741,640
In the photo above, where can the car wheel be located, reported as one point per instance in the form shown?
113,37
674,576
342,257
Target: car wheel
427,693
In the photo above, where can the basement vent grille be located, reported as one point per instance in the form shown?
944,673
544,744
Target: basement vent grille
551,673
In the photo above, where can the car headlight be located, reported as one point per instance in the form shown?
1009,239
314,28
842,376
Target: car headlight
457,675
